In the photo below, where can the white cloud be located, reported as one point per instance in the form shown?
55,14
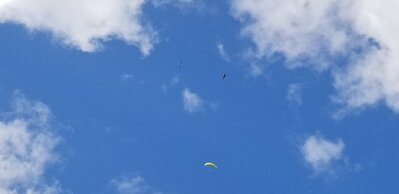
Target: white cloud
182,4
26,148
222,52
173,82
321,153
311,33
164,88
163,2
374,76
83,24
125,77
294,93
136,185
192,102
256,70
279,26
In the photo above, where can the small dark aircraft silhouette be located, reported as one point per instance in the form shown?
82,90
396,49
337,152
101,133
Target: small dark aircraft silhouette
224,76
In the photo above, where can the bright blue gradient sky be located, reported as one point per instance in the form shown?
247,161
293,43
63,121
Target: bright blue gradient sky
121,119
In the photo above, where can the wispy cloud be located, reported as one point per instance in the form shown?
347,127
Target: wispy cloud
294,95
363,31
320,153
182,4
132,185
222,52
173,82
163,2
126,77
83,24
191,101
256,70
27,146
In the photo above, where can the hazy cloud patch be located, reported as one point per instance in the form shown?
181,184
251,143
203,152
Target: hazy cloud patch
132,185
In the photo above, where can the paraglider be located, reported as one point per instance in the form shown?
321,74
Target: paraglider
210,164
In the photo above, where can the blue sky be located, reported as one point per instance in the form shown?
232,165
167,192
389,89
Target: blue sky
93,99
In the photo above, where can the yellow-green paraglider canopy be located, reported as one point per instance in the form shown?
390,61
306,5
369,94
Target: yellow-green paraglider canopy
210,164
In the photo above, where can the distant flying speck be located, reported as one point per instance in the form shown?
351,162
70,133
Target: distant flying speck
224,76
